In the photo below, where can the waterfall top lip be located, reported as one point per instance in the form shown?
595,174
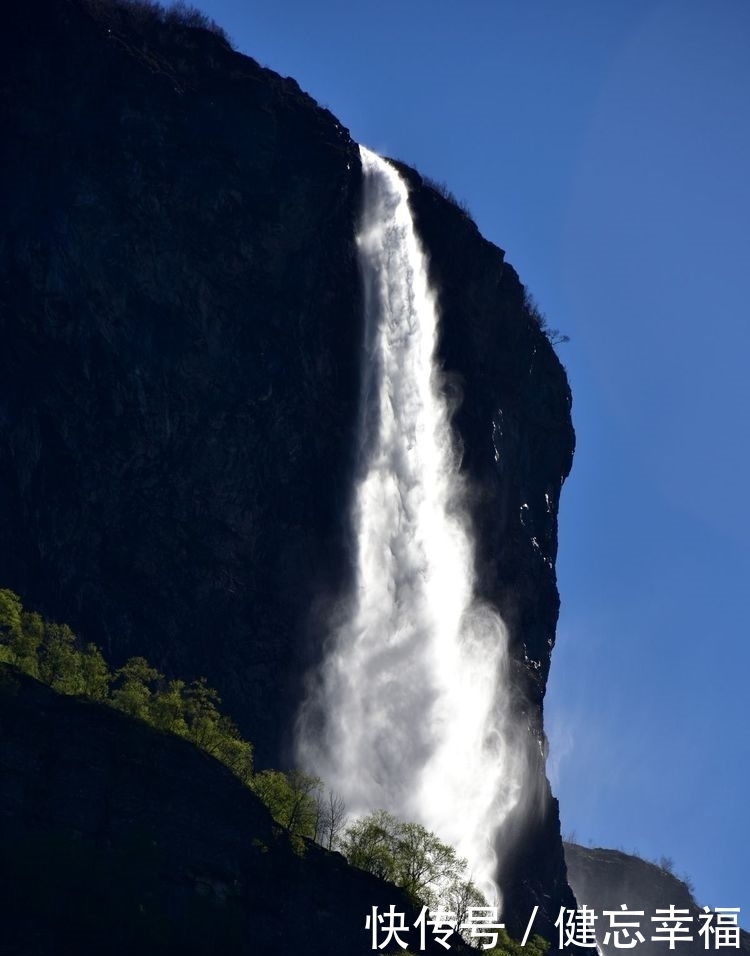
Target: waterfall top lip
370,153
372,158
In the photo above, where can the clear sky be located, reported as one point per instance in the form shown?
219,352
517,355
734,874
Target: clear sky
605,145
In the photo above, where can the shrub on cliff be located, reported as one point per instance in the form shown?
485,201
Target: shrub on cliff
539,319
147,14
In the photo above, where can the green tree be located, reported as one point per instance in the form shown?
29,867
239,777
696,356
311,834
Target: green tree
202,715
425,866
369,843
135,683
168,708
60,665
460,896
10,613
233,751
407,854
291,798
95,673
26,641
13,647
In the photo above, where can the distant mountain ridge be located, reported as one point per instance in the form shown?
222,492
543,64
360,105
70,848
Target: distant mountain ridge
605,879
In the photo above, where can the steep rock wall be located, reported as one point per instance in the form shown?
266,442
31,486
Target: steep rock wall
180,314
181,329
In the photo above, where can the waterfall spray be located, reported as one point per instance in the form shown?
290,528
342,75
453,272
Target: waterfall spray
410,711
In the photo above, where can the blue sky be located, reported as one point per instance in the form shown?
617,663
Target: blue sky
606,147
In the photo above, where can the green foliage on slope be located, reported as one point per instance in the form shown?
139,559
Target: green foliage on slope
406,854
430,871
403,853
53,654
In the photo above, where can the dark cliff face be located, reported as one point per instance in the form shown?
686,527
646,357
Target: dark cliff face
605,879
117,838
181,330
180,315
513,419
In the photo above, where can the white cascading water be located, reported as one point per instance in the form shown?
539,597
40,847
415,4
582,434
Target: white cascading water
409,712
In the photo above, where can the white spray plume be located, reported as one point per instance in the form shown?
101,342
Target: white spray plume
410,711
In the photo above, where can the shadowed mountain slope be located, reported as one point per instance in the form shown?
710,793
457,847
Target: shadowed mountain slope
117,838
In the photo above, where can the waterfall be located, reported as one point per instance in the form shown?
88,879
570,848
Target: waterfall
409,711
